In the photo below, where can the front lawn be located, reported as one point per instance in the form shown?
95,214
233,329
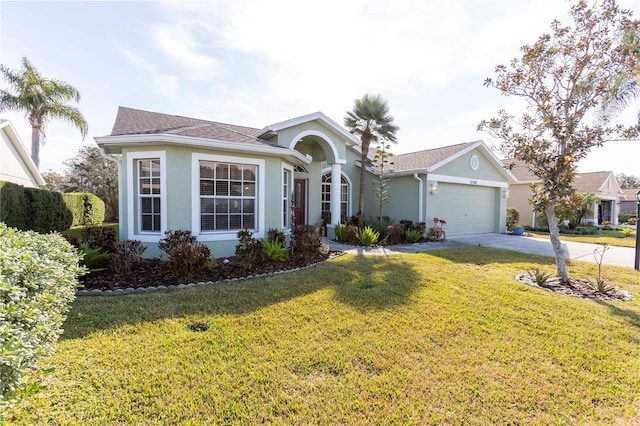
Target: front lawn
610,237
445,337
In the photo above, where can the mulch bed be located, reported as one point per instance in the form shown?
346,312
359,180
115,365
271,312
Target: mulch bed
156,272
577,288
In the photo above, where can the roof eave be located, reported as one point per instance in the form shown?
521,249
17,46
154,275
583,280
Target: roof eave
22,152
114,144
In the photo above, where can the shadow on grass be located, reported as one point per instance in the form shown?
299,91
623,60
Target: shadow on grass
632,317
481,255
371,282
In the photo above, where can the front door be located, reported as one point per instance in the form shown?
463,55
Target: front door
300,201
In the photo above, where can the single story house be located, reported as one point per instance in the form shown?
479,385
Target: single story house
16,165
602,184
215,179
629,204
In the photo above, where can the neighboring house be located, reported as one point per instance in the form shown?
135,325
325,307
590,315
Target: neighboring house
629,204
602,184
215,179
16,165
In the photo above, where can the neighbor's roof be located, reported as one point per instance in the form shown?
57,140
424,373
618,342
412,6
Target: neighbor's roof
590,182
130,121
630,193
422,160
519,169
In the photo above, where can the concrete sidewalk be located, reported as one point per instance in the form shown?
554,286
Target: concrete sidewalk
619,256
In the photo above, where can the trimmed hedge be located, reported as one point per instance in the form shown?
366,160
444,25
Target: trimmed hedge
86,208
38,281
33,209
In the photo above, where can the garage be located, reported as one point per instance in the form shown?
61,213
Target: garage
468,209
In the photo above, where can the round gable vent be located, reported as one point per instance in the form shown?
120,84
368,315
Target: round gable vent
474,162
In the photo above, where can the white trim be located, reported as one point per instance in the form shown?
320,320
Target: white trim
417,177
349,187
22,151
296,139
159,139
288,168
132,222
306,118
467,181
196,157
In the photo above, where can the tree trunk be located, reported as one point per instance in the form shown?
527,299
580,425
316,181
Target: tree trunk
35,146
554,234
363,167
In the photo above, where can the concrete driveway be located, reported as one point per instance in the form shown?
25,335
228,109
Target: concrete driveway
619,256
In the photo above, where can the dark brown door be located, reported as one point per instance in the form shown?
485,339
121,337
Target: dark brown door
300,200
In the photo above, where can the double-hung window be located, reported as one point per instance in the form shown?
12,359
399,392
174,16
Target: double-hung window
286,201
228,196
149,194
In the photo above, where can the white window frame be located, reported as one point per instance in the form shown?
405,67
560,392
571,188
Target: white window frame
327,170
134,224
195,196
286,197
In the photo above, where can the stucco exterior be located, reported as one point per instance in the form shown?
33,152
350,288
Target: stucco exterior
165,162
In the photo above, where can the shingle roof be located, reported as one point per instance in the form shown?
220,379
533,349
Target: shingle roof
519,169
130,121
589,182
630,193
421,160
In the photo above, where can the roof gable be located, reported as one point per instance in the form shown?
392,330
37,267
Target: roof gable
316,116
23,155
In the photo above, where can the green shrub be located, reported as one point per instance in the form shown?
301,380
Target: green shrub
412,235
352,232
513,217
39,277
31,209
306,243
367,236
341,232
624,217
379,224
274,251
248,250
86,208
95,259
125,255
539,277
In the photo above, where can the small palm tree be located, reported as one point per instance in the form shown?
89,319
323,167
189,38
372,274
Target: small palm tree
40,99
370,120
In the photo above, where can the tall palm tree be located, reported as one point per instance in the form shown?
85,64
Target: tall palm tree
370,120
40,99
625,88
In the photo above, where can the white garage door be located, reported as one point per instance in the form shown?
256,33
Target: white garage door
468,209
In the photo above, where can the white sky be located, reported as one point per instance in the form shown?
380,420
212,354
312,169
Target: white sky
257,62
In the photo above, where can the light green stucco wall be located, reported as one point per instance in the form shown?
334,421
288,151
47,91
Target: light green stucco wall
519,195
403,199
286,136
459,167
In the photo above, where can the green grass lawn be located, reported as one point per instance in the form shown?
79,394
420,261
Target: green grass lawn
612,238
76,231
442,337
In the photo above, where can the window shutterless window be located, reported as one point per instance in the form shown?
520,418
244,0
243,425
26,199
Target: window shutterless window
227,196
286,207
326,194
149,194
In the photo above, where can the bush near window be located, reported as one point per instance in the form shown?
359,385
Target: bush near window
126,254
86,208
101,237
274,251
307,242
33,209
186,255
39,278
248,250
